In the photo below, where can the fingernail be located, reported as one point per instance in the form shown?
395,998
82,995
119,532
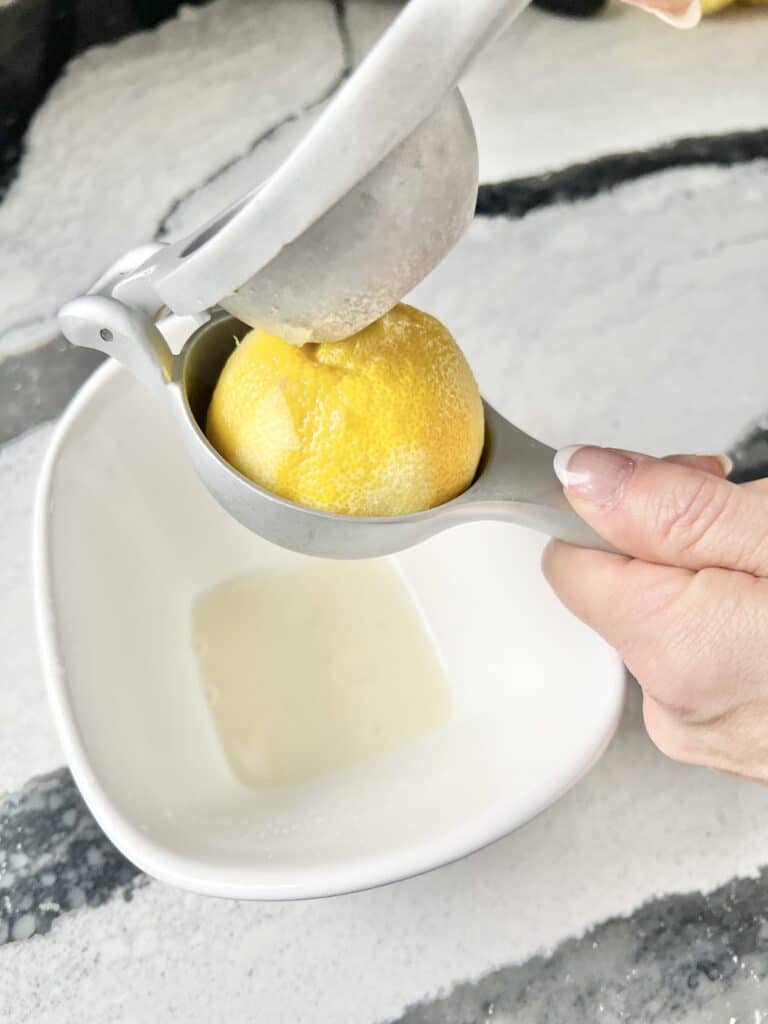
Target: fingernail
677,14
595,474
724,461
708,462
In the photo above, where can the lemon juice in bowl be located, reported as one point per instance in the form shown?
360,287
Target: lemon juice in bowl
311,668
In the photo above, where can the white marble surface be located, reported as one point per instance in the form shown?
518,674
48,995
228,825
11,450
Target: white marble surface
257,65
28,744
555,91
146,129
635,318
637,826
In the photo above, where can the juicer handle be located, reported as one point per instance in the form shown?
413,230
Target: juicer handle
124,266
416,63
517,484
127,334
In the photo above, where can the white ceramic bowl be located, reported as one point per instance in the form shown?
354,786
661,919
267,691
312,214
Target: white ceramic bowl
126,537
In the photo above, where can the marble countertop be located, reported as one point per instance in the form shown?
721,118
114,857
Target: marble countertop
611,289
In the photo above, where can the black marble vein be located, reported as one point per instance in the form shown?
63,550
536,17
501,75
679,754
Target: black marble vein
340,15
163,228
54,858
39,37
517,197
345,37
665,962
571,8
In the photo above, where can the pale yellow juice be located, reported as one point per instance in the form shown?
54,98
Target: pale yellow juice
310,668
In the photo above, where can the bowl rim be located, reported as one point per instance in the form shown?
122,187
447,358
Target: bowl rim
205,877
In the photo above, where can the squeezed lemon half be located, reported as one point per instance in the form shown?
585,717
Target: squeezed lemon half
387,422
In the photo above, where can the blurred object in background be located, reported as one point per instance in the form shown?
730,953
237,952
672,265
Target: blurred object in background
571,8
588,8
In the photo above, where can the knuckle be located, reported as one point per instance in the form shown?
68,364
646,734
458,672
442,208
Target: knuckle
676,748
701,664
706,743
681,696
671,746
683,740
690,512
676,693
681,649
669,736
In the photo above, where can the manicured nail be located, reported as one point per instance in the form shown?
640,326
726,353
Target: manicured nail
708,462
724,461
595,474
675,13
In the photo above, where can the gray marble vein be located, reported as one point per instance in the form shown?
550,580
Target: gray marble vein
689,957
35,386
53,858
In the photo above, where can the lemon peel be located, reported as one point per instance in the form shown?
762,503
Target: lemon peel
387,422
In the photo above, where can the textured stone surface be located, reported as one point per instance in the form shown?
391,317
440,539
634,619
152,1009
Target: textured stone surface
35,386
36,41
685,958
199,77
638,826
554,91
149,118
518,196
619,320
28,745
633,317
53,858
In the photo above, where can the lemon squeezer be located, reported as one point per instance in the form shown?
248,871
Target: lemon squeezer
369,202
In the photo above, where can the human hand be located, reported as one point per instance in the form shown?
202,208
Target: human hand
687,608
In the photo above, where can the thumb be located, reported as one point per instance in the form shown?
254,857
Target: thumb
666,511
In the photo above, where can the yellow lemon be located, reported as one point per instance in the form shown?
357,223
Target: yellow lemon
713,6
388,422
